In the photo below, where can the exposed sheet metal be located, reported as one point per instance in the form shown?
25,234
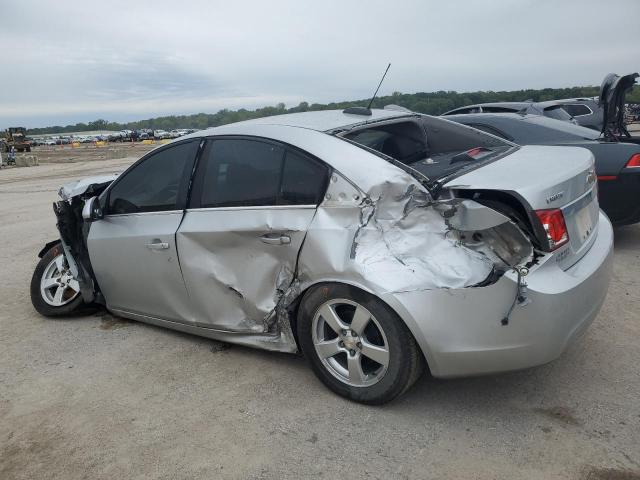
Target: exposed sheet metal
79,187
395,240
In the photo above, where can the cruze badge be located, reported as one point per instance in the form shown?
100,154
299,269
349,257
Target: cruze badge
555,196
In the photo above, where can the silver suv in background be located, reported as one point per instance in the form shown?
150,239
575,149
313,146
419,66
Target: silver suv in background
581,111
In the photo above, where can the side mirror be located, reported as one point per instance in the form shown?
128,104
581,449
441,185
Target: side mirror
91,210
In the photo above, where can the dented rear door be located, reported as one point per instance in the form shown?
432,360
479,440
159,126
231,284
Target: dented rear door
251,205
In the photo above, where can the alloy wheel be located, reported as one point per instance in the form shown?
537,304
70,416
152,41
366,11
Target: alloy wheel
58,287
350,342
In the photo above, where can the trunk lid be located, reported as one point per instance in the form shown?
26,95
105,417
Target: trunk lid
613,91
541,178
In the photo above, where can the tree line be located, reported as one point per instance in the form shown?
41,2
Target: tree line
433,103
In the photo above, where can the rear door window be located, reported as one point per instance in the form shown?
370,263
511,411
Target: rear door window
237,172
241,173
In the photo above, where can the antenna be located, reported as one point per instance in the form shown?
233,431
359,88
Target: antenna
366,111
376,92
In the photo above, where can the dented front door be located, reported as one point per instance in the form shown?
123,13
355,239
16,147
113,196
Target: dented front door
252,202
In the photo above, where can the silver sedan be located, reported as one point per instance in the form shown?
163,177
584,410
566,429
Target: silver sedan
379,243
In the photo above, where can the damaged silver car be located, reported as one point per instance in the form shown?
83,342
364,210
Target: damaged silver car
379,243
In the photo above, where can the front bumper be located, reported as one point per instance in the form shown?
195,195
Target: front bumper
460,331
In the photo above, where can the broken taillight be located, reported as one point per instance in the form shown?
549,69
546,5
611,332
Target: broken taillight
634,161
553,223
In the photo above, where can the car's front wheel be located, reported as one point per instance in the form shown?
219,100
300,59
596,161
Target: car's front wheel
357,345
54,290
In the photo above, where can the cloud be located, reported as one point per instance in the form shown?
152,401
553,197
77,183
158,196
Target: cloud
124,60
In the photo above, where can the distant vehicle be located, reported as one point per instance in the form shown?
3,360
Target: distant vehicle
175,134
17,137
550,109
617,163
587,112
115,137
161,134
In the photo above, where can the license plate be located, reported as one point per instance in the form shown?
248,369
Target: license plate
584,221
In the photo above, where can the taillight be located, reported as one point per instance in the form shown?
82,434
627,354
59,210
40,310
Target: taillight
553,223
634,161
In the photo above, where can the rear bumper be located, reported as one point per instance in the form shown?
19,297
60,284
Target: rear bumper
620,197
460,331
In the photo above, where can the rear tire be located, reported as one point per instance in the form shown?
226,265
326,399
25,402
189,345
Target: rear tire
356,344
54,291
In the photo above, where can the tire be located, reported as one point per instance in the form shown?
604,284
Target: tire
52,266
353,362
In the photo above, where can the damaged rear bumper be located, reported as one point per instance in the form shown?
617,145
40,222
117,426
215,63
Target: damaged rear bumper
460,330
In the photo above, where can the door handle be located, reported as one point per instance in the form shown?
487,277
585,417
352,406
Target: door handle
157,245
275,239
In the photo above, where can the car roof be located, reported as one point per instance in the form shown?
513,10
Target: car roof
322,120
308,131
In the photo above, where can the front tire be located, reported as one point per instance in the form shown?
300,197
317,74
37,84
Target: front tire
54,291
356,344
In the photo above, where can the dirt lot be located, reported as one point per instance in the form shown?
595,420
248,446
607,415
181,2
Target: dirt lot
102,398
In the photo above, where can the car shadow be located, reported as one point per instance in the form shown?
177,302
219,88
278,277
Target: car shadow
627,237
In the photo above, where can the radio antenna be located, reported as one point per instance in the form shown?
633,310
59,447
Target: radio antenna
376,92
366,111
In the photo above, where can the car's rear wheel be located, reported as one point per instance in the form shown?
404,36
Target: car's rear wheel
357,345
54,290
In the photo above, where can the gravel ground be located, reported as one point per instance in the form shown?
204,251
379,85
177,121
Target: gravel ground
101,397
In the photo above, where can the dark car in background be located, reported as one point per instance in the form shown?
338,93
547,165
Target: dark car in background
617,163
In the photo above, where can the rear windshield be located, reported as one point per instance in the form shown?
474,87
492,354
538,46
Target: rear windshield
433,146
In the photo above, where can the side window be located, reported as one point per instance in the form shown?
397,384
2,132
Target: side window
303,180
155,184
575,110
239,172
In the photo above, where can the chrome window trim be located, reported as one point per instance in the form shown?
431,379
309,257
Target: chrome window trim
254,207
138,214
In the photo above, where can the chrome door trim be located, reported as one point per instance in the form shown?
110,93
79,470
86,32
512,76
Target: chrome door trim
139,214
260,207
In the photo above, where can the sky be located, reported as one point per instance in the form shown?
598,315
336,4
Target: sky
78,61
